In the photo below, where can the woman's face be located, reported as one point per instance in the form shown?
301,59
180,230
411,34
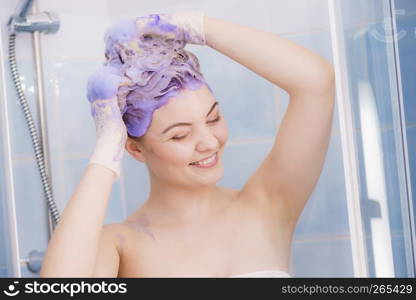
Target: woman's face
189,128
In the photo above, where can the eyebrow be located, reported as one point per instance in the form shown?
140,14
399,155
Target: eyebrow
185,123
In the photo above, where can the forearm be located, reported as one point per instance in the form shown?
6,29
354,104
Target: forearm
279,60
73,246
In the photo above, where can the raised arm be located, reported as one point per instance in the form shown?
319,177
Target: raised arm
288,175
279,60
72,250
80,245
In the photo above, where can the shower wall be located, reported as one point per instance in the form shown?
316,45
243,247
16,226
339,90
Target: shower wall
30,204
252,106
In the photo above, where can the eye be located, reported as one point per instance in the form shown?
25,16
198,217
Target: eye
216,119
178,137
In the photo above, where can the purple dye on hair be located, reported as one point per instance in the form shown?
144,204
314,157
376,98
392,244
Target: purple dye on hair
154,59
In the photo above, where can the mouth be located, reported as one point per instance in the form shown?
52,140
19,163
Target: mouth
207,162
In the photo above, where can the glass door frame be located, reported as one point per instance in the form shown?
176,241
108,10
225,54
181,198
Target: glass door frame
349,153
407,211
349,147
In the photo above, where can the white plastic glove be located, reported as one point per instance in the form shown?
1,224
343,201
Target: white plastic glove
191,23
111,131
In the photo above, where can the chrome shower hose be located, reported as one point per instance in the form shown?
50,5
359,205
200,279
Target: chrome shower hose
37,146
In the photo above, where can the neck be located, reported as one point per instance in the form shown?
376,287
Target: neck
184,205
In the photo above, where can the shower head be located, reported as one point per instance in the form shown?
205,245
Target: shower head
46,22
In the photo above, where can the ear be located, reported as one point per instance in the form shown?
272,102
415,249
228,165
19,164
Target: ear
135,149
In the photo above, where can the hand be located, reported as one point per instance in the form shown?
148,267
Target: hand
111,131
149,42
192,23
189,25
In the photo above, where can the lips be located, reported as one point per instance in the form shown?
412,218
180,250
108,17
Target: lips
203,158
206,164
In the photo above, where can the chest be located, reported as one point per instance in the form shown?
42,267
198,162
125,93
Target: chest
238,243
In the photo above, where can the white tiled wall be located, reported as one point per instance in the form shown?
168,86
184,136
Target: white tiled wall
252,106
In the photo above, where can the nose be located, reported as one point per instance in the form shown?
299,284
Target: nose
207,140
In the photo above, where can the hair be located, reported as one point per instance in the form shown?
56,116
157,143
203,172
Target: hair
158,68
138,107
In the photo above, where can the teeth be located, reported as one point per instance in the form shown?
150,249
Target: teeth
206,161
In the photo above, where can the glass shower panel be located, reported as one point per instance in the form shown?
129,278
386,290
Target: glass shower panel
3,223
405,25
373,89
4,230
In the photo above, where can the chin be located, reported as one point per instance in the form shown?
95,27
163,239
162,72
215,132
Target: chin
209,179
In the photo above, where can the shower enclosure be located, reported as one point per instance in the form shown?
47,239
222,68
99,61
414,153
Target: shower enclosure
359,221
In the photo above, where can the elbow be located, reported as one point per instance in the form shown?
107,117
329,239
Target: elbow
62,272
44,273
325,78
329,72
327,86
320,81
324,83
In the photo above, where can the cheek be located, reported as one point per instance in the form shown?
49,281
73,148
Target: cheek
221,131
177,153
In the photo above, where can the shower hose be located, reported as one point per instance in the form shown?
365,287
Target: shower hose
37,146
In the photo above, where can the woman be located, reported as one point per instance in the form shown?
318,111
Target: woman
189,226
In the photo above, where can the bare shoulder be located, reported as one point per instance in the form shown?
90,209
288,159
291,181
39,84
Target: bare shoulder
108,255
116,233
112,229
123,234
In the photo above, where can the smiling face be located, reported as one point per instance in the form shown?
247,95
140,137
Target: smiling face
189,128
